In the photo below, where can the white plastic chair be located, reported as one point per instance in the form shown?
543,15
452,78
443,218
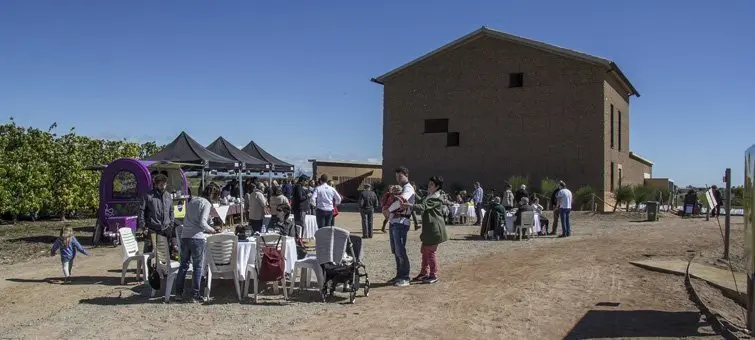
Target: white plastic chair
251,269
166,268
221,261
528,222
331,244
131,253
305,265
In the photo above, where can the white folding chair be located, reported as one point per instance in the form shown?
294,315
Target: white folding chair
305,265
166,268
251,269
221,261
528,222
131,253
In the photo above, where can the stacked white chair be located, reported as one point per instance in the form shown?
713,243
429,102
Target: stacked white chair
166,268
131,253
221,261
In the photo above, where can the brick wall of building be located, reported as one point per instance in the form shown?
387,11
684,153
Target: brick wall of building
626,170
551,127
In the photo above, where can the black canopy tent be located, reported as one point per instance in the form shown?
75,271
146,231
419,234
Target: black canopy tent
185,149
222,147
254,150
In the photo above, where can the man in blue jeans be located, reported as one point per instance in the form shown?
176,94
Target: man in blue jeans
399,228
564,198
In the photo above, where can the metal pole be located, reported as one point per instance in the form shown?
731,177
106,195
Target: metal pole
202,184
241,190
270,177
727,206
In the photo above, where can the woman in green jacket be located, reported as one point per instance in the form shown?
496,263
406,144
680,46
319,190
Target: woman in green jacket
434,210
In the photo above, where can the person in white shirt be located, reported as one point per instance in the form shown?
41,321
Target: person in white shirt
193,240
400,215
564,197
325,199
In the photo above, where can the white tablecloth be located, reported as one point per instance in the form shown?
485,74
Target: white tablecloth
247,253
310,227
462,210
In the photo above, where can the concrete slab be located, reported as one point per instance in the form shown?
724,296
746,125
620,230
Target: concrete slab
717,277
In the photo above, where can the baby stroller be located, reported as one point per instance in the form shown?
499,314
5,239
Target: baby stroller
340,257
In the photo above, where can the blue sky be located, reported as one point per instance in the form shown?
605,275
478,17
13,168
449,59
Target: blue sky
294,75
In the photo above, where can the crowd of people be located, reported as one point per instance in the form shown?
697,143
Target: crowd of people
400,206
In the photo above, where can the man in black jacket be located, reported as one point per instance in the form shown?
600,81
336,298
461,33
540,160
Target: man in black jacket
521,193
368,202
300,200
719,201
556,212
155,213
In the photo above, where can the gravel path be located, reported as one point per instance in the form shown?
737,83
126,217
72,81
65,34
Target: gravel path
97,306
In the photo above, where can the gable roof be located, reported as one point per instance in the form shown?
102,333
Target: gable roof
256,151
487,32
185,149
222,147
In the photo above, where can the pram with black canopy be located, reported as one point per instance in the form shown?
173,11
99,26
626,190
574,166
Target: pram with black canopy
340,256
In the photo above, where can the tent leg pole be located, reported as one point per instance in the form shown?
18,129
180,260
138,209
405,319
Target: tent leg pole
241,195
202,184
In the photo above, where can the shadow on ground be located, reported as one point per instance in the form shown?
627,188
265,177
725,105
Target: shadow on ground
636,323
76,280
49,239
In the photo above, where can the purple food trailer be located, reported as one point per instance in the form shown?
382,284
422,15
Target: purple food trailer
123,183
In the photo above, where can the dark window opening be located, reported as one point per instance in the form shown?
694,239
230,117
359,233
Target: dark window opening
452,139
619,130
612,178
436,125
611,126
516,79
620,176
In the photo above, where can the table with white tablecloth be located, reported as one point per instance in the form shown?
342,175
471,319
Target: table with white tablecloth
309,228
247,253
468,211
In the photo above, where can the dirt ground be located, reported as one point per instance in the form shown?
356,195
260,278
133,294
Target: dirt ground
543,288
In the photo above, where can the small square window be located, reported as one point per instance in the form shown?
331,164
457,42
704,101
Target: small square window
436,125
516,79
452,139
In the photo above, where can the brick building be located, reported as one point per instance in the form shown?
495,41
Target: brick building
490,105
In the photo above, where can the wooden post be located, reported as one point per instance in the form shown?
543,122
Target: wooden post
727,219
